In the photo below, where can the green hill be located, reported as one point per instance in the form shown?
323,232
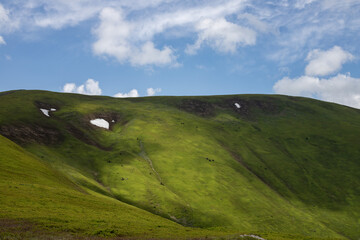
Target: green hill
179,167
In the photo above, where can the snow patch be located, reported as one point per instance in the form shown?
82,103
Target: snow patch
53,109
99,122
237,105
45,112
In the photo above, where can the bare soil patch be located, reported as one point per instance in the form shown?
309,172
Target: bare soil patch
198,107
24,134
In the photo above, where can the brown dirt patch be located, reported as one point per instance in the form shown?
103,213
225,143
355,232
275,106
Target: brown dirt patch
24,134
46,105
249,108
198,107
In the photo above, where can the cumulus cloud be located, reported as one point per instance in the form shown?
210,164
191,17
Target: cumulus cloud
2,41
115,38
221,35
342,89
91,87
322,63
152,91
69,88
132,40
132,93
129,30
303,86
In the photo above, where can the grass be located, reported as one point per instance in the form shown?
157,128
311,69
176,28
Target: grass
279,167
33,192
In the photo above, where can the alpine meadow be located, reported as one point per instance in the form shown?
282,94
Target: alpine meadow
205,167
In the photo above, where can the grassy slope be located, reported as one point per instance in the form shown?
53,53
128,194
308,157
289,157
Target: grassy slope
291,168
31,191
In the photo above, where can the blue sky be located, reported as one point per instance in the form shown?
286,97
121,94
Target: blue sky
137,48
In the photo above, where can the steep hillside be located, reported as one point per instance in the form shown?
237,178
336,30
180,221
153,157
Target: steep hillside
37,201
276,166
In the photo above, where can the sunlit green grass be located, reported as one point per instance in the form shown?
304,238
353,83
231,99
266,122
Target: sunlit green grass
31,190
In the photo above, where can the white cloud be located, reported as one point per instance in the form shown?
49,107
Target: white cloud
300,4
2,41
4,17
303,86
132,40
58,14
90,87
69,87
115,37
322,63
132,93
141,32
256,23
152,91
3,13
222,36
342,89
127,29
148,55
308,24
7,23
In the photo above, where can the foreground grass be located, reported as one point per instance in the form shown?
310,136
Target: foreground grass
35,193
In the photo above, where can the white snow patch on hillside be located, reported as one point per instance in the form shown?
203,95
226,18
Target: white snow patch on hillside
99,122
53,109
45,112
237,105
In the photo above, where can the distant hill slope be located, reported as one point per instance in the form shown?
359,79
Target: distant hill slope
281,167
